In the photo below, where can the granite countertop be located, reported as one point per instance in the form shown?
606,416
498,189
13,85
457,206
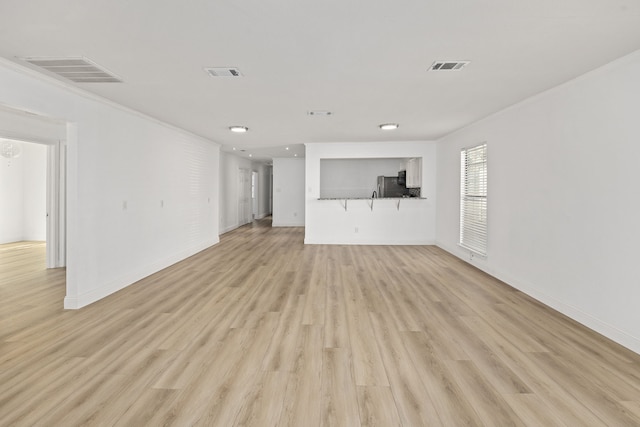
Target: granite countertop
372,198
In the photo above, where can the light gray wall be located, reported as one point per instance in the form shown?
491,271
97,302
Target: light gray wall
355,177
288,192
562,198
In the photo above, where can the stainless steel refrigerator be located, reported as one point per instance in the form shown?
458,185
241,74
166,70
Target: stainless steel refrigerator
388,187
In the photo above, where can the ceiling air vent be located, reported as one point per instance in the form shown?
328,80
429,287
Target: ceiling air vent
79,70
223,72
448,65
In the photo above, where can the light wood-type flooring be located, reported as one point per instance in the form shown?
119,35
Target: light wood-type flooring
261,330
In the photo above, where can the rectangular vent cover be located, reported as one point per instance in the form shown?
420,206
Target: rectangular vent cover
79,70
223,72
448,65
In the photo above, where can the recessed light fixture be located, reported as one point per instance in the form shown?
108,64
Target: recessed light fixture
319,113
238,129
286,148
295,155
389,126
234,148
250,155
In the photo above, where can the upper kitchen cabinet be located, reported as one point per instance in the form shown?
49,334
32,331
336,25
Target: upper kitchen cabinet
414,172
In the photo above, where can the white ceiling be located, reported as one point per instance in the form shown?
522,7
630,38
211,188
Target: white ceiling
366,61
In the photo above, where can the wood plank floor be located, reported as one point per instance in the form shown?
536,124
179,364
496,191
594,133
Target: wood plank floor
261,330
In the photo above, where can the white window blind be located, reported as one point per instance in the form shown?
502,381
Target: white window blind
473,199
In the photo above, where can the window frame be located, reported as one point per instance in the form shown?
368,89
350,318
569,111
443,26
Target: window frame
474,197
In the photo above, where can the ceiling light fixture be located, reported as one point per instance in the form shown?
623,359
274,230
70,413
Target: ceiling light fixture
286,148
238,129
389,126
10,149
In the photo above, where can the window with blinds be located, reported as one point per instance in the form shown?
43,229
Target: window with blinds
473,199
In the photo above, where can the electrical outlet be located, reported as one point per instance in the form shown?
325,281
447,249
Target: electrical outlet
124,205
356,229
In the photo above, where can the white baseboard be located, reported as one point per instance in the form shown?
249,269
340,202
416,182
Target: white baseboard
379,242
79,301
287,224
586,319
229,228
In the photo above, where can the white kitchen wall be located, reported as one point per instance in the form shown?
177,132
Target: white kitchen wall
563,197
355,177
141,195
23,195
229,166
411,222
288,192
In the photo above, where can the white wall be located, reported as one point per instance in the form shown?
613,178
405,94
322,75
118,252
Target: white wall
141,195
11,199
35,192
23,195
563,197
229,166
288,192
327,221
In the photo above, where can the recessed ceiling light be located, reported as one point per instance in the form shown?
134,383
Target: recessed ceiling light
319,113
295,155
389,126
286,148
238,129
234,148
250,155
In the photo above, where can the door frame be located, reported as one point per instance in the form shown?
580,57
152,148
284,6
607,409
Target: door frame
31,127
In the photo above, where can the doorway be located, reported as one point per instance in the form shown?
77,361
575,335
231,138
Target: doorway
23,192
21,134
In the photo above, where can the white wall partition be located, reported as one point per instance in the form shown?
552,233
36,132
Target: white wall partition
563,197
141,195
288,192
412,222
